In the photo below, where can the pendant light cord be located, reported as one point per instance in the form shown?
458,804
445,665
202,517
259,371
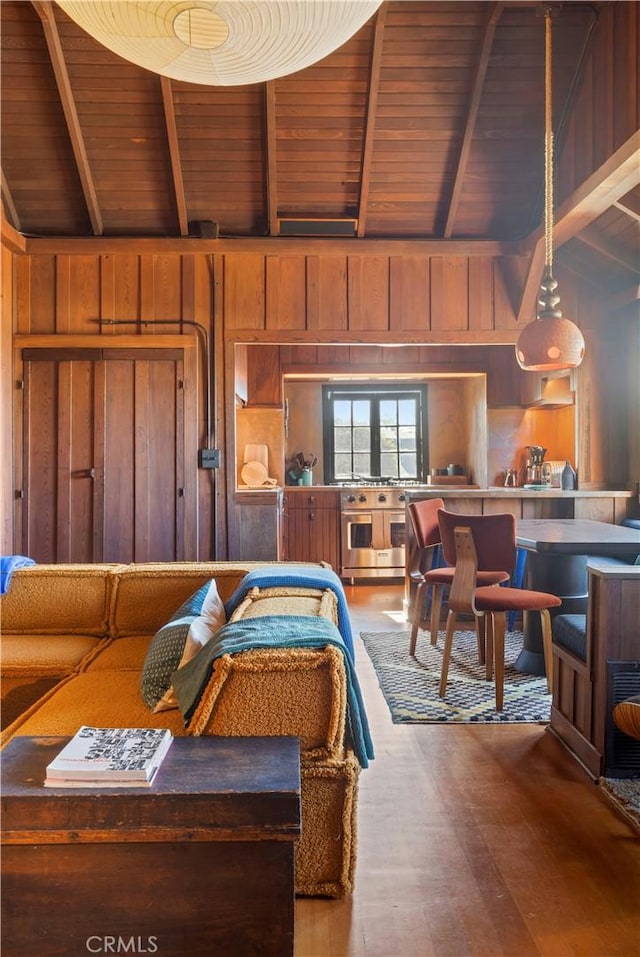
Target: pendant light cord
548,147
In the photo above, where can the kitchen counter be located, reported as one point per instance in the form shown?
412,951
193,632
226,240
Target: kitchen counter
603,505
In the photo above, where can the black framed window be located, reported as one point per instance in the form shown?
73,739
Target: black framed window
374,433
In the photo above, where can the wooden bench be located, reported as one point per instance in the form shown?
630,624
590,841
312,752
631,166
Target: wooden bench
595,662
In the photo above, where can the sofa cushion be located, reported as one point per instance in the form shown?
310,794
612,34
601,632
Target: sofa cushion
186,632
44,656
58,600
145,595
287,601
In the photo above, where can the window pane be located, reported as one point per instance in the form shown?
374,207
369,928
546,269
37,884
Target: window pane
388,439
361,412
406,412
362,464
342,440
407,438
342,412
343,466
388,412
389,464
362,440
408,465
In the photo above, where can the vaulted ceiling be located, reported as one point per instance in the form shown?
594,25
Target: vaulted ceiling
427,124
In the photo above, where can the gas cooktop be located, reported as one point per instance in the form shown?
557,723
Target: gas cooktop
379,483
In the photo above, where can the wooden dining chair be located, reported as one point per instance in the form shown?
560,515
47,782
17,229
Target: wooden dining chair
496,552
424,517
491,604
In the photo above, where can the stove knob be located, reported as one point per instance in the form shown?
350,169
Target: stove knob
351,498
362,498
382,497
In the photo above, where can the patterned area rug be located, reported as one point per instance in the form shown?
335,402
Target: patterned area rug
624,793
410,685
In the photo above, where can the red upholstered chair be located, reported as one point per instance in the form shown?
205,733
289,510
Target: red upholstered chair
496,551
491,604
424,517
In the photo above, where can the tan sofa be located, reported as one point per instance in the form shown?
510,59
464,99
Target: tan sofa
74,639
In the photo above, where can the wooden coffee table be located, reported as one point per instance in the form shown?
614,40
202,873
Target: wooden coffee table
201,863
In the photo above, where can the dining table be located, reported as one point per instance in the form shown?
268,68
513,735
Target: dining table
556,562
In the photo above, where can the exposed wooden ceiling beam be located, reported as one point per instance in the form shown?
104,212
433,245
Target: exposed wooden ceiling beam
44,10
370,122
494,13
630,205
273,228
174,153
11,238
614,179
8,204
594,237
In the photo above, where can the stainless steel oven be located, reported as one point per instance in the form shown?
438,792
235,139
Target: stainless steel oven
372,524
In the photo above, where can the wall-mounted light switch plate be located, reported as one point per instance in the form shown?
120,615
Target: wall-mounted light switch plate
208,458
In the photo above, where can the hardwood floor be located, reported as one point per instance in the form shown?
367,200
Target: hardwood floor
475,841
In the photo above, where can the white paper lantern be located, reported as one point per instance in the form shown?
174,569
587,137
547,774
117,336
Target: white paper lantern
221,42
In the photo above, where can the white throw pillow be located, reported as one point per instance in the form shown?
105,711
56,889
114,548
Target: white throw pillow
212,616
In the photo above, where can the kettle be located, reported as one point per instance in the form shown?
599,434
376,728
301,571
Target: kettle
534,464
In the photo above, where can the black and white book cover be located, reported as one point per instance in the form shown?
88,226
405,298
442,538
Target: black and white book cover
125,757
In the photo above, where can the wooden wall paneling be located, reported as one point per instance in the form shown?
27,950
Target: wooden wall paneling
119,533
481,302
170,275
455,313
201,424
603,89
75,491
39,505
35,299
409,294
327,298
7,390
99,425
585,156
285,292
368,293
158,490
126,300
504,312
77,294
107,308
625,94
244,292
264,378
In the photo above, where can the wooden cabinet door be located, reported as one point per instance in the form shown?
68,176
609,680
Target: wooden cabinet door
313,529
103,455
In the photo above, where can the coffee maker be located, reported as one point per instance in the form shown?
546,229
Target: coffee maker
535,474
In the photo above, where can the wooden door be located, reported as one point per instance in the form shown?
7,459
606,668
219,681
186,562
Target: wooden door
103,455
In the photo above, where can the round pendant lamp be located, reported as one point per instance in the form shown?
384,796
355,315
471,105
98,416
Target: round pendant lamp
550,341
221,42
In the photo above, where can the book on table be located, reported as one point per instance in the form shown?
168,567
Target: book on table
109,757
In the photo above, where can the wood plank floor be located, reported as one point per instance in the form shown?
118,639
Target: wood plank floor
475,841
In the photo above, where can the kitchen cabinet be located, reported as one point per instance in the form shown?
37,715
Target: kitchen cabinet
259,526
312,526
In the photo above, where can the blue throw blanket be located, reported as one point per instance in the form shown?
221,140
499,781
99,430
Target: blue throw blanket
274,631
8,564
297,576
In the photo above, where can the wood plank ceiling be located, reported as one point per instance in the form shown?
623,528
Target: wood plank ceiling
427,124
